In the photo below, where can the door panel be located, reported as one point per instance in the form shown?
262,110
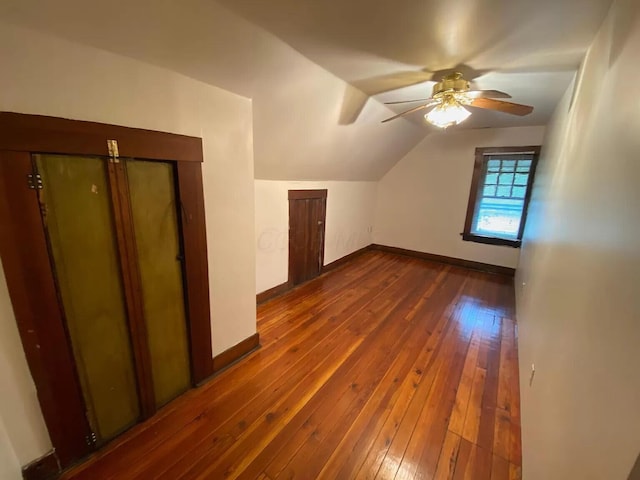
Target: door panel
40,299
27,268
306,238
154,211
78,219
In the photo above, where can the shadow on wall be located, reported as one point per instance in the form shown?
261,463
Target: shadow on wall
627,15
352,104
635,471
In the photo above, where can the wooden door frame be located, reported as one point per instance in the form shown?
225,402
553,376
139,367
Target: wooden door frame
307,195
28,271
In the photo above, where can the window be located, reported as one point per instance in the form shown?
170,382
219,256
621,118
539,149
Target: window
500,192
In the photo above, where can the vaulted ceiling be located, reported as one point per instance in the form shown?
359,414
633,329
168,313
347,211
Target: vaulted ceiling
318,72
530,49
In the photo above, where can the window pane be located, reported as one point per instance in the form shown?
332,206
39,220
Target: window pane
498,217
489,191
519,192
498,211
508,165
506,179
521,179
504,191
524,165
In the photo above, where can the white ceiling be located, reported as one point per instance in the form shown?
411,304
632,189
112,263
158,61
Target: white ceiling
530,49
301,127
305,63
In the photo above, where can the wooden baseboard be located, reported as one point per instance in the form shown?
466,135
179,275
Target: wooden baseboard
347,258
286,286
46,467
458,262
273,292
235,353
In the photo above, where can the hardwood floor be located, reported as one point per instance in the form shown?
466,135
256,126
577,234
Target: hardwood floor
388,367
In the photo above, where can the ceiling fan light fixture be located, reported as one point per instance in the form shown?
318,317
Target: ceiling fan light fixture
452,94
447,114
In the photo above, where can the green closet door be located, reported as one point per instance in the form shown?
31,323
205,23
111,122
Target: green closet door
79,221
153,205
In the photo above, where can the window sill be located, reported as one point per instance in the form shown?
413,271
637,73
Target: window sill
470,237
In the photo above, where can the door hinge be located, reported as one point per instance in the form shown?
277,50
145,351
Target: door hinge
34,181
112,145
91,439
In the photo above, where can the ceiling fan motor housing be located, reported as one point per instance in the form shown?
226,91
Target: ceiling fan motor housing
453,83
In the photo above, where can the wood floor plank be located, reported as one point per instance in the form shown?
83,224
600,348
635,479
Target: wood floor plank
448,457
474,410
421,455
402,434
515,472
456,423
317,448
386,453
479,465
346,463
239,385
486,427
363,324
502,434
232,421
499,468
389,366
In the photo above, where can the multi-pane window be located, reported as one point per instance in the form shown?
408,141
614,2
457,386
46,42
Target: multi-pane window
499,194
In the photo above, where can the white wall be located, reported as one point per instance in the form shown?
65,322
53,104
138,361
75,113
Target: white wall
349,223
579,310
9,465
45,75
422,200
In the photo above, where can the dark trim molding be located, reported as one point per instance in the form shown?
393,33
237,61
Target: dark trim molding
235,353
278,290
272,292
27,268
476,192
195,268
470,237
458,262
304,194
39,133
347,258
46,467
26,261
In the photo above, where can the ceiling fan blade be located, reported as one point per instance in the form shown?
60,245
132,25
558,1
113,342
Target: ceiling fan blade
415,109
487,94
407,101
499,105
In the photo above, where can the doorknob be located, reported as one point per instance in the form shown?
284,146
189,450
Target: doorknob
319,222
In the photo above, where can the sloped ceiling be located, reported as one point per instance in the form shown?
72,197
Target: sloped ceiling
301,131
312,120
530,49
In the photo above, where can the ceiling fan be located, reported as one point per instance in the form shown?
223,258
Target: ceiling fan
450,97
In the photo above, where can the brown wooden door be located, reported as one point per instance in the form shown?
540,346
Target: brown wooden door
307,212
84,291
